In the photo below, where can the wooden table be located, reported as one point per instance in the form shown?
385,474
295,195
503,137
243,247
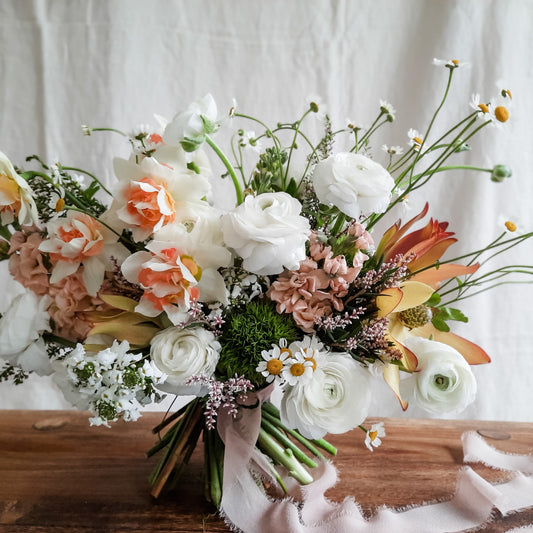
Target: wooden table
59,475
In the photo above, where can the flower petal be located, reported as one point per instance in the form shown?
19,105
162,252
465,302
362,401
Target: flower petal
433,276
391,374
473,354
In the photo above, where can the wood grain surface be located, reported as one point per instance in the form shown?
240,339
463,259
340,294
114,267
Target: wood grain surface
59,475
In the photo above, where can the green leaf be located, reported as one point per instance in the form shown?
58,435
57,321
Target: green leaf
447,313
434,300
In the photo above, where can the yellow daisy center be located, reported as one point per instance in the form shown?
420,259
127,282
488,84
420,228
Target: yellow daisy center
501,113
455,62
511,226
373,435
285,350
313,362
484,108
417,140
59,205
274,366
297,369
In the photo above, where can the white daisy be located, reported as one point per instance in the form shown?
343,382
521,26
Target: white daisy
387,108
298,370
274,362
479,106
449,63
372,439
414,139
392,150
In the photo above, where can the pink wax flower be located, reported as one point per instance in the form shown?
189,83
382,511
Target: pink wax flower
26,261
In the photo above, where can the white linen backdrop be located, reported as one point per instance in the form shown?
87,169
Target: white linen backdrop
116,63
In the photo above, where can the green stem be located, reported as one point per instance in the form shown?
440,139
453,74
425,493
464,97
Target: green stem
282,439
229,168
301,439
92,176
283,456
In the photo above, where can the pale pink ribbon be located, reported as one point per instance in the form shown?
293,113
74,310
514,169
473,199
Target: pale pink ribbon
247,508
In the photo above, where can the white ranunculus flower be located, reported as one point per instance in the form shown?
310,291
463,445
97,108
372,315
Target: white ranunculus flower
336,400
22,324
268,232
444,383
181,353
353,183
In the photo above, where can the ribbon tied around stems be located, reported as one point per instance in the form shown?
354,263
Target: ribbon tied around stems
246,507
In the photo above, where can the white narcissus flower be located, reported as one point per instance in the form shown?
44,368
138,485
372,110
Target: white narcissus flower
22,324
16,196
182,353
190,126
353,183
180,266
75,240
268,232
444,383
336,399
152,193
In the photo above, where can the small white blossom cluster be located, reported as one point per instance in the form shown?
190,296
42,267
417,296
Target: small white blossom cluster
242,286
114,381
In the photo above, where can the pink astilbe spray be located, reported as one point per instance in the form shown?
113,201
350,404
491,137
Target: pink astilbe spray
222,395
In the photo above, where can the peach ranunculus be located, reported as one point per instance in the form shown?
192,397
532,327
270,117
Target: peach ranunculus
16,200
26,260
75,240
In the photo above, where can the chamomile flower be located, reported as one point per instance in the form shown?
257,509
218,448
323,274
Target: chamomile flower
510,225
388,109
414,139
274,362
298,370
392,150
315,103
311,348
449,63
480,107
372,439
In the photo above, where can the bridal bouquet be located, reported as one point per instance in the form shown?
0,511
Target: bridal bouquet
271,315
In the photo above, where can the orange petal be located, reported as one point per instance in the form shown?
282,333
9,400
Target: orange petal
388,300
391,374
433,276
431,255
473,354
409,360
394,233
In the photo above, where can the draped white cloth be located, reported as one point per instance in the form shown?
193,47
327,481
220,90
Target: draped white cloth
117,63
